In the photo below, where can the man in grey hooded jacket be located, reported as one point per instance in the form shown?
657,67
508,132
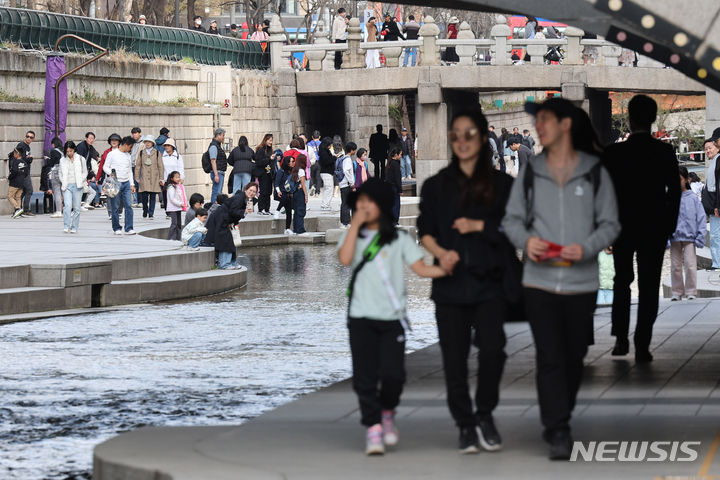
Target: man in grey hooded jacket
571,216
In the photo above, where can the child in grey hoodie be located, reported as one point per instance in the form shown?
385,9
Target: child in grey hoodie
562,216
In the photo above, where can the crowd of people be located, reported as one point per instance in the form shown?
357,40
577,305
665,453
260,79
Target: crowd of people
573,208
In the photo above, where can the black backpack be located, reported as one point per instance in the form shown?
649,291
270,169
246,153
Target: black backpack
593,176
206,165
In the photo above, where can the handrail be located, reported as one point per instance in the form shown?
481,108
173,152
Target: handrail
37,30
67,74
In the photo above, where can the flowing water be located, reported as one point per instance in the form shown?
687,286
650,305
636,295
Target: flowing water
69,383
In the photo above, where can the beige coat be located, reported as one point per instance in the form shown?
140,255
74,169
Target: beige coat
149,176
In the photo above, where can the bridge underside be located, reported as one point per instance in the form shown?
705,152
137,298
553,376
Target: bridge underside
657,28
494,78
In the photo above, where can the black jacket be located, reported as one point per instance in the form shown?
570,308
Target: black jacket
394,175
645,174
24,149
378,146
18,172
54,159
198,28
227,215
392,31
327,161
479,274
242,162
88,152
262,161
221,160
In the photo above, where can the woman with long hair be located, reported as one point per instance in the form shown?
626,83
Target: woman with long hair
73,173
284,197
263,171
327,170
461,208
241,159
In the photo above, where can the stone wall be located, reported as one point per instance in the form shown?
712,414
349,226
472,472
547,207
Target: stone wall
190,127
362,116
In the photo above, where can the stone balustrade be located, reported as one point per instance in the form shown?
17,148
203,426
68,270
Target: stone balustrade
470,50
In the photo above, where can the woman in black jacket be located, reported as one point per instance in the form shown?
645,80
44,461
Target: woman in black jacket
394,178
225,218
241,159
461,208
50,179
327,171
263,171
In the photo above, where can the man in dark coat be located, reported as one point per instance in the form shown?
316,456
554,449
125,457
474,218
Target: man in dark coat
390,30
645,173
378,151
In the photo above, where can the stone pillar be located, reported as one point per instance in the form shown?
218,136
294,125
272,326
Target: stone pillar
611,54
500,52
278,60
392,56
315,59
537,53
712,113
573,55
429,54
353,57
466,52
431,126
600,107
573,84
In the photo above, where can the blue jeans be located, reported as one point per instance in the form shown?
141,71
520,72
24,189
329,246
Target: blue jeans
410,53
216,187
299,204
137,185
148,203
239,181
405,166
123,198
715,240
72,197
196,239
225,260
96,187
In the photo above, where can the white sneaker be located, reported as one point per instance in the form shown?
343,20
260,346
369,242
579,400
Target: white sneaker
390,432
276,215
289,232
66,230
691,297
130,232
675,298
304,234
72,230
83,209
374,441
118,232
56,215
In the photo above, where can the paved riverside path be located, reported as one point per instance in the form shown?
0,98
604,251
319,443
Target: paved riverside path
676,398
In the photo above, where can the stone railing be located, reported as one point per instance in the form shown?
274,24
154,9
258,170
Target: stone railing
470,50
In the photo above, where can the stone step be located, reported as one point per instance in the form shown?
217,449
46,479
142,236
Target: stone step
21,300
171,287
14,276
264,240
173,262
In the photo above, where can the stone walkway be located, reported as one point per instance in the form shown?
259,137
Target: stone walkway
676,398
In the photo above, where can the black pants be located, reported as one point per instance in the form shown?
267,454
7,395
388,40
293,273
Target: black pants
650,252
482,325
265,192
338,56
27,193
175,232
286,201
315,177
396,205
562,327
378,356
148,203
344,206
379,167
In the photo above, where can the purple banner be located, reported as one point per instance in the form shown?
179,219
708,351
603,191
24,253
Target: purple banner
55,69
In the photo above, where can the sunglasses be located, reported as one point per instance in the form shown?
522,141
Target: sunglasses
31,137
468,135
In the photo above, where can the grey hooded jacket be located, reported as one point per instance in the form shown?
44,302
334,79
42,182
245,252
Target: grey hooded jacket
564,215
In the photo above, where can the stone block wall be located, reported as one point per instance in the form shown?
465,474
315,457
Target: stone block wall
362,114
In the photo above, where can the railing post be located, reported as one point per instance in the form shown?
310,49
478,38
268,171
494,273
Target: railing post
392,56
315,58
429,54
276,41
353,59
537,53
574,49
500,52
611,53
466,52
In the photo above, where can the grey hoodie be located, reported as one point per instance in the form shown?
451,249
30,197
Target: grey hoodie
564,216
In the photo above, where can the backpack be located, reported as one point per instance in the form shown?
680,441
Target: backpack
206,165
593,176
339,174
288,185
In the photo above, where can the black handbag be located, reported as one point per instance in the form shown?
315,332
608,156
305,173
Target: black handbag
709,201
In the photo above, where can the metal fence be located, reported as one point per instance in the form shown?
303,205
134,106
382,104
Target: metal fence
32,29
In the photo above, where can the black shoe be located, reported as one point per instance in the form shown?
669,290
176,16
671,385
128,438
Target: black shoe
468,440
643,356
488,435
560,445
622,347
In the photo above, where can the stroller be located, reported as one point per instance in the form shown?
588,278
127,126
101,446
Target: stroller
553,55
